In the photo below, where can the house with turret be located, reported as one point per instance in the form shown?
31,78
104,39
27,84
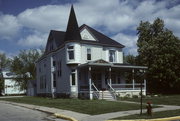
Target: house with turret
84,63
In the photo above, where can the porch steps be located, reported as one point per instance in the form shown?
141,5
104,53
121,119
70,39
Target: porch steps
106,95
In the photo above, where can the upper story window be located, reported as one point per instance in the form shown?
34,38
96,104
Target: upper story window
59,69
112,56
88,54
70,51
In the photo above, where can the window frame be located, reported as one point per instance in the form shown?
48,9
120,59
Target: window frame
54,80
70,50
89,54
73,80
113,59
59,68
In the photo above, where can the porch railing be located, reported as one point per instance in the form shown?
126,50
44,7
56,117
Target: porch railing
96,93
135,86
113,92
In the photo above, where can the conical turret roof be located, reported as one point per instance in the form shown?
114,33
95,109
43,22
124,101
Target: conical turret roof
72,31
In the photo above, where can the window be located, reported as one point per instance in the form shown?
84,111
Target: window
59,69
119,80
88,54
41,82
73,77
70,50
45,81
112,55
39,69
54,79
54,63
113,78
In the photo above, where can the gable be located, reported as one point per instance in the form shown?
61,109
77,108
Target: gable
97,37
55,39
86,35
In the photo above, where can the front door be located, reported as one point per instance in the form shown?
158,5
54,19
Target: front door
96,78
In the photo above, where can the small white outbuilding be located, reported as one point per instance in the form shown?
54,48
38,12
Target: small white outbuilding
10,85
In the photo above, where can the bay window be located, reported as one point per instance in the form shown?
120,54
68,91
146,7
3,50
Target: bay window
70,50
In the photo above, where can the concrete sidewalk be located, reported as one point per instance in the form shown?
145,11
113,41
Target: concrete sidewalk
74,116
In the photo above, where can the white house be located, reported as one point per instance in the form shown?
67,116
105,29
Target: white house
82,62
10,85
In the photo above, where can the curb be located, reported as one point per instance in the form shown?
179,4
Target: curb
55,114
64,117
156,119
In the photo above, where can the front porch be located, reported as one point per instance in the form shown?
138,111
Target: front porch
103,80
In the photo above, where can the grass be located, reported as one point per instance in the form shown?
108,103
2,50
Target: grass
161,114
165,100
92,107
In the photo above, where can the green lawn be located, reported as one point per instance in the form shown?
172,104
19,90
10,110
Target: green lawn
92,107
162,114
166,100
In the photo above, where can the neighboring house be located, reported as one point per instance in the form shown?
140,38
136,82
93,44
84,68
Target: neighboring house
82,62
10,85
31,88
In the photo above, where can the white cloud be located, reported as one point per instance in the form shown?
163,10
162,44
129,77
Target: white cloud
115,16
129,41
9,26
34,40
45,18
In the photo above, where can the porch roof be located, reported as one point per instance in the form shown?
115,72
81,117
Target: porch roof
103,63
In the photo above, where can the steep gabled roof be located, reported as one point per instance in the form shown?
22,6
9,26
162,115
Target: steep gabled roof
57,36
72,31
101,38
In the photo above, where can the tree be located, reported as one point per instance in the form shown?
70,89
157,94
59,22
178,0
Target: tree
159,50
131,59
23,65
4,63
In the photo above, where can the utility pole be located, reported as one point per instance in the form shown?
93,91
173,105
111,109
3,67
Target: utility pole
141,76
141,98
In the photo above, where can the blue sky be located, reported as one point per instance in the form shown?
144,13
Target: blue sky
26,24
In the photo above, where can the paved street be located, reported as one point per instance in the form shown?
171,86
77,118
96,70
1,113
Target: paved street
10,112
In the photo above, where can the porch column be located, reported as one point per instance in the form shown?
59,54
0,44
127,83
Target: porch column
90,83
110,80
133,79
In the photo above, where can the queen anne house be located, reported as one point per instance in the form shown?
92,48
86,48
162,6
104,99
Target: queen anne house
82,62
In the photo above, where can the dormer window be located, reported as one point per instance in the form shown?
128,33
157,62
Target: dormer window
70,50
112,56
